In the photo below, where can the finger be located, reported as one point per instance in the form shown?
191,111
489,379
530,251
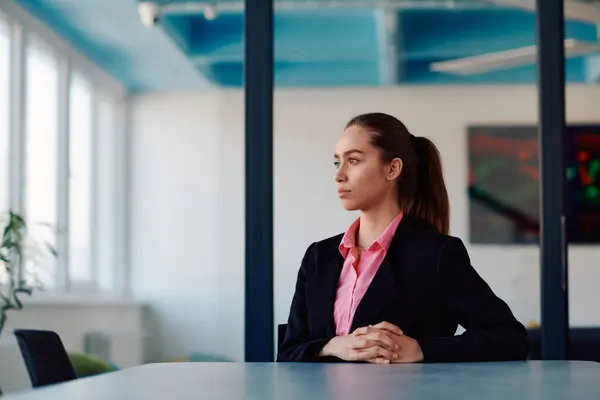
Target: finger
380,360
376,336
385,339
360,344
365,330
380,338
375,328
389,327
371,353
361,331
365,343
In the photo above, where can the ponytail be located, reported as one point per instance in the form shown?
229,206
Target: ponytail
430,198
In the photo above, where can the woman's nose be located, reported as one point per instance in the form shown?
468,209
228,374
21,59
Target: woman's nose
340,176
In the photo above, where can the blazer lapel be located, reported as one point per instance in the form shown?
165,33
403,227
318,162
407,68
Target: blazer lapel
323,288
384,289
382,292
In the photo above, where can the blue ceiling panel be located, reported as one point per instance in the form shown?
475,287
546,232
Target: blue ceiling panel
191,49
468,33
340,35
299,37
208,36
464,33
227,74
328,74
298,74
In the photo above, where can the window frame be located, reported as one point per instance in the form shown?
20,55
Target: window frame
6,30
23,29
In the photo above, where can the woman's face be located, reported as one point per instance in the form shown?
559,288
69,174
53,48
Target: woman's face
363,179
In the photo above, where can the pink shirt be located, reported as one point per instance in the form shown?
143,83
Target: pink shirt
357,276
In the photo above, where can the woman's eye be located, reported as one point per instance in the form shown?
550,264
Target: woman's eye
336,164
353,161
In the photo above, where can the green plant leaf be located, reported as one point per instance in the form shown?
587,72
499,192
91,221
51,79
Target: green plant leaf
26,290
13,235
19,220
7,232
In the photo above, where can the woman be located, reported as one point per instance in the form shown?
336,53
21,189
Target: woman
395,286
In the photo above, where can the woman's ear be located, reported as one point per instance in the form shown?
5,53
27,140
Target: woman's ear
395,169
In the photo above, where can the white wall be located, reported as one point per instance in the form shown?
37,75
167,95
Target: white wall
187,200
186,226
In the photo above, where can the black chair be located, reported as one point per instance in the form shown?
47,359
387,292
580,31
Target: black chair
584,344
45,357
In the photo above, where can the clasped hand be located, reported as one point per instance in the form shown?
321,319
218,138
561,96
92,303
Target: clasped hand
383,343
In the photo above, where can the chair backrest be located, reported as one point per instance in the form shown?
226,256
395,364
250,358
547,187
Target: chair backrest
45,357
584,344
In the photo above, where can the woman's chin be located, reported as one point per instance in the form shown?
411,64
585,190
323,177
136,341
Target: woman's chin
350,205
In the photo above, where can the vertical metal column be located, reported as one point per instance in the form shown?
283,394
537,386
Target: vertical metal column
553,241
258,82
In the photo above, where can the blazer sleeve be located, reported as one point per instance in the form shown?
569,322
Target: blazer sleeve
298,346
492,333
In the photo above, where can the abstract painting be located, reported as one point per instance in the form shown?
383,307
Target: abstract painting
504,184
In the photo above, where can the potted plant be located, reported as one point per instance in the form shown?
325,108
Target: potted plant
14,279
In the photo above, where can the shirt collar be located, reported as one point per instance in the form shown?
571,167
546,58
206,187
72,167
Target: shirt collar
384,240
348,240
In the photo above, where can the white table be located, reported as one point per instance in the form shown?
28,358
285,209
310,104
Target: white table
489,381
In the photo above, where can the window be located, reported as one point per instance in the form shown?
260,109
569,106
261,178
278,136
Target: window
62,166
4,117
106,206
41,156
80,180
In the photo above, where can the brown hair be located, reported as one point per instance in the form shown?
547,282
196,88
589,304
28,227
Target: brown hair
421,188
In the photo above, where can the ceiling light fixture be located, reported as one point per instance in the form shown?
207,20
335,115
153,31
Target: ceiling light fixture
507,59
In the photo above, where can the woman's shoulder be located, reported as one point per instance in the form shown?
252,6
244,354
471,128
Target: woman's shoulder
326,246
323,249
423,235
332,241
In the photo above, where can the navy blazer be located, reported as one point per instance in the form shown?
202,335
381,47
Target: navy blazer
425,285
